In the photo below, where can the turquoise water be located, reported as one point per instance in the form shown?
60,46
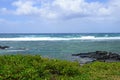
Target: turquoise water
59,46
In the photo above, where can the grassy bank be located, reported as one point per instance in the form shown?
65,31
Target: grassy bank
29,67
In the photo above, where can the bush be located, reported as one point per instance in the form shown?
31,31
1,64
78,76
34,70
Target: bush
34,67
22,67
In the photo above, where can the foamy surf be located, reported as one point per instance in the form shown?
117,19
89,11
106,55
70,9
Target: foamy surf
14,50
58,38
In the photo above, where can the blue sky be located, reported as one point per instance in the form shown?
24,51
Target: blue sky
59,16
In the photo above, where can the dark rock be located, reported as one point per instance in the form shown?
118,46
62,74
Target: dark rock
4,47
100,56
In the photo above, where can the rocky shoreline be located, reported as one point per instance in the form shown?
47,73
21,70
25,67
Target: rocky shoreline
89,57
103,56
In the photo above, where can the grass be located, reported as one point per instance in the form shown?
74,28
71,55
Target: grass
34,67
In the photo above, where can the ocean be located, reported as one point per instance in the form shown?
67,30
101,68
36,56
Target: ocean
59,45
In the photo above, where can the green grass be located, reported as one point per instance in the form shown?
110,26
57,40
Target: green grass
34,67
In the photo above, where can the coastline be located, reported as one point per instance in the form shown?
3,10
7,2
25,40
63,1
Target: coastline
22,59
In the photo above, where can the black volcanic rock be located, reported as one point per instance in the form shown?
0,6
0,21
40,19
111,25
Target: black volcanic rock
4,47
100,56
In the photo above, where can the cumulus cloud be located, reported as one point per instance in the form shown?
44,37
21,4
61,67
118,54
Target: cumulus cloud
66,8
25,7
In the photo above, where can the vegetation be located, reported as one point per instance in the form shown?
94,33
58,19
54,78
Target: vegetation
34,67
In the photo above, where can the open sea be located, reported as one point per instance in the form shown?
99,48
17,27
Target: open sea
59,45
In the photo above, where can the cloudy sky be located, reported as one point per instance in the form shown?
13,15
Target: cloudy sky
59,16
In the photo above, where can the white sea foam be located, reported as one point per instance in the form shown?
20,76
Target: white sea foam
14,50
88,37
58,38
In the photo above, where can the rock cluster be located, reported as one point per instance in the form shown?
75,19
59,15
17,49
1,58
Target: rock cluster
100,56
4,47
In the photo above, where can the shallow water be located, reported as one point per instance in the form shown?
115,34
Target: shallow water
59,46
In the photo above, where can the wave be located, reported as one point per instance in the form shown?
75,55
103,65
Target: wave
14,50
58,38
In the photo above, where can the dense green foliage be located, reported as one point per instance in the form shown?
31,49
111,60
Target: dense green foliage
24,67
33,67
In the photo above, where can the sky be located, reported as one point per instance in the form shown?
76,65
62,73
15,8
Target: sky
59,16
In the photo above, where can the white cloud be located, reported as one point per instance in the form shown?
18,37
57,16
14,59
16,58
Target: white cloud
69,5
25,7
66,8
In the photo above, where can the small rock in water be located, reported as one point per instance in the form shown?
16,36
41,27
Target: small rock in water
4,47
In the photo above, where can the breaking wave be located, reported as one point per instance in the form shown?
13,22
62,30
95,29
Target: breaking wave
58,38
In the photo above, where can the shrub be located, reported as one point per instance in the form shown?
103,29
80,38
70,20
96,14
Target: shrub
22,67
34,67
